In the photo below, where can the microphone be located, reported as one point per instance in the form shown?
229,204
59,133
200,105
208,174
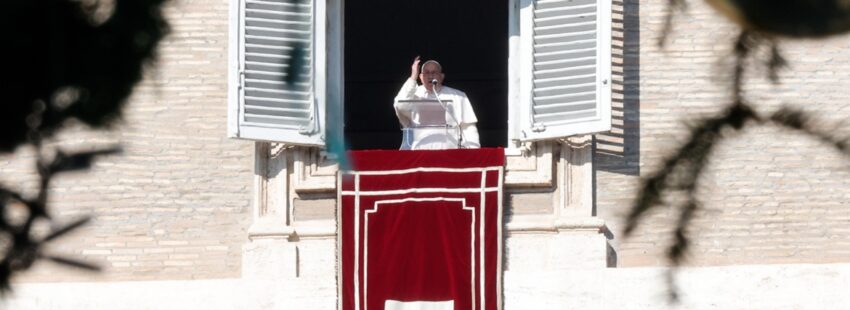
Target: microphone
445,108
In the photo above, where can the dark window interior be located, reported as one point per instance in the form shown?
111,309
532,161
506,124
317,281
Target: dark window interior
382,37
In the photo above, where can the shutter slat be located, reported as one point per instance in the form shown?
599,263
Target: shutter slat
270,58
274,77
259,92
276,6
565,63
563,72
568,18
276,23
562,28
270,19
546,4
267,49
562,89
293,32
543,93
293,123
573,20
271,85
565,95
580,34
279,2
574,97
565,118
545,15
281,120
578,105
565,80
274,41
274,102
552,114
560,54
275,84
565,45
270,67
275,111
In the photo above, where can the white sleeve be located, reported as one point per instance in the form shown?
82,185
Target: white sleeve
468,114
407,91
470,136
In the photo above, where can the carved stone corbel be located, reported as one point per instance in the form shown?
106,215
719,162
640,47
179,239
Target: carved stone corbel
313,171
530,168
271,201
575,179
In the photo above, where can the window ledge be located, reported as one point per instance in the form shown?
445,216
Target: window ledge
315,173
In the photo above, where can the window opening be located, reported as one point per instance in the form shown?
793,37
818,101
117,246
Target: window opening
382,37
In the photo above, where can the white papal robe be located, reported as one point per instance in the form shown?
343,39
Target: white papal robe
459,107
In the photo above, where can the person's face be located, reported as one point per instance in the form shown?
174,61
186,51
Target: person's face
429,72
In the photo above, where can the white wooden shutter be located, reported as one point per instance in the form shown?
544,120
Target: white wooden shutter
267,37
566,52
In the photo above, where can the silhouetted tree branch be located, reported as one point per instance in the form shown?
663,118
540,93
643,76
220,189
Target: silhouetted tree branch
67,60
761,22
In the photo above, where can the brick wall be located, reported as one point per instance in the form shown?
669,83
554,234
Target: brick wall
176,203
770,195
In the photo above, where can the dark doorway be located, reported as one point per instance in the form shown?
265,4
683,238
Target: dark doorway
382,37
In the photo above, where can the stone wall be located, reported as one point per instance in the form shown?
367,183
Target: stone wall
770,195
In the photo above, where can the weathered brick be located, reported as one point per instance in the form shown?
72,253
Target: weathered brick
772,192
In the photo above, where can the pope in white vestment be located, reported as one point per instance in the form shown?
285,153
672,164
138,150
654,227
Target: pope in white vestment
460,114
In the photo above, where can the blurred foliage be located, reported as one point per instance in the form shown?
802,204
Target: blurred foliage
66,60
790,18
71,63
761,23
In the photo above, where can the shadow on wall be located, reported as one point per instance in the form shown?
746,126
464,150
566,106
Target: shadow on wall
618,151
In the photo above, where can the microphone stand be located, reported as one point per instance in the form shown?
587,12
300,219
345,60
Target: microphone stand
445,108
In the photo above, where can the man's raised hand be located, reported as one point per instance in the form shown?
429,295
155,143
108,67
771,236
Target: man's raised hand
414,69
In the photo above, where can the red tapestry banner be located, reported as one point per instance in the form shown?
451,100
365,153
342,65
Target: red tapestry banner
421,230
